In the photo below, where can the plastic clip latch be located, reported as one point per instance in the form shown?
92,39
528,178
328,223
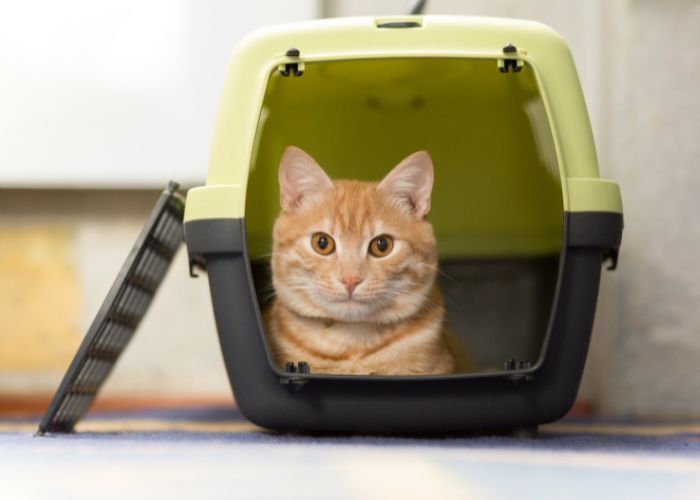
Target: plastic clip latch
292,68
511,364
611,255
297,382
511,63
196,261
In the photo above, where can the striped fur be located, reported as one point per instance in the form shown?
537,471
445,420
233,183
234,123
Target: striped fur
393,320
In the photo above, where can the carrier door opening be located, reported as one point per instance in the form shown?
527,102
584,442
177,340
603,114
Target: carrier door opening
496,205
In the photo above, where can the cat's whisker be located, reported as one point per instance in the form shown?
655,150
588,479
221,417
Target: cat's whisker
438,270
261,256
266,286
263,301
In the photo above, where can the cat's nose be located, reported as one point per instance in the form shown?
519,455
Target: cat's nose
350,282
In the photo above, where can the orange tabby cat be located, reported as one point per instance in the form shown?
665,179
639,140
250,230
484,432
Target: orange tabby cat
353,268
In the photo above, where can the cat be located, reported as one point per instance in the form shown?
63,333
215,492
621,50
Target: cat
353,269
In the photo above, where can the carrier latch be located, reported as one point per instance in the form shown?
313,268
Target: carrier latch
597,230
611,255
301,368
511,364
511,62
295,68
195,262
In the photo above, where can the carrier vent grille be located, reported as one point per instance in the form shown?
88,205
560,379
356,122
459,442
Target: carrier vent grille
120,314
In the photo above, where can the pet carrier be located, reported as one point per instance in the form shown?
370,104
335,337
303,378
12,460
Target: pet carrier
522,219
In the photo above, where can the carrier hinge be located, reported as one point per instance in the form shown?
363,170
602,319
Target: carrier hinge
611,255
196,261
297,380
295,67
511,364
510,61
597,230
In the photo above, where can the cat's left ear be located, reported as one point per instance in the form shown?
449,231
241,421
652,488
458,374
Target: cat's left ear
411,181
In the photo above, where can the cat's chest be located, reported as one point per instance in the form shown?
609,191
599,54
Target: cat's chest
350,333
335,336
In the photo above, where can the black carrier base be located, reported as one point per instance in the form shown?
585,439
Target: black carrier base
461,403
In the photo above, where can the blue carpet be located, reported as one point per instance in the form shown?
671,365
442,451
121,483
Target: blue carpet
214,453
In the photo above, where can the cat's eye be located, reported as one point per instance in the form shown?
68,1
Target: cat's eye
323,243
381,246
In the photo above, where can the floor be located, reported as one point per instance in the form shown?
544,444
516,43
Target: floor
213,452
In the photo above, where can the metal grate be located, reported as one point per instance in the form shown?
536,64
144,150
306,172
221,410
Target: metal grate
120,314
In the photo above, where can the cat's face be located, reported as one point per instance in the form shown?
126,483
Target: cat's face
354,251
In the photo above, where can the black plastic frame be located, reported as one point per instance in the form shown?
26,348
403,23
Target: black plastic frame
405,404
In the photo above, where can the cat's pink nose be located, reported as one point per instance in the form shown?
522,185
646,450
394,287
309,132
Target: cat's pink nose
350,282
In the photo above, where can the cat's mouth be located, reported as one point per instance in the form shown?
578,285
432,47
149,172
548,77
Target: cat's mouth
358,299
351,300
350,309
351,303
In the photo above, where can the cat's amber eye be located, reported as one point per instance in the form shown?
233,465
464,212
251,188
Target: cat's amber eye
323,243
381,246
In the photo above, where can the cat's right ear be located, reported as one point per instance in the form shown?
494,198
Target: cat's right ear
300,177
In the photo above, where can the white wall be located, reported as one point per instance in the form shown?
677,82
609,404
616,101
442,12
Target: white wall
648,363
117,93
